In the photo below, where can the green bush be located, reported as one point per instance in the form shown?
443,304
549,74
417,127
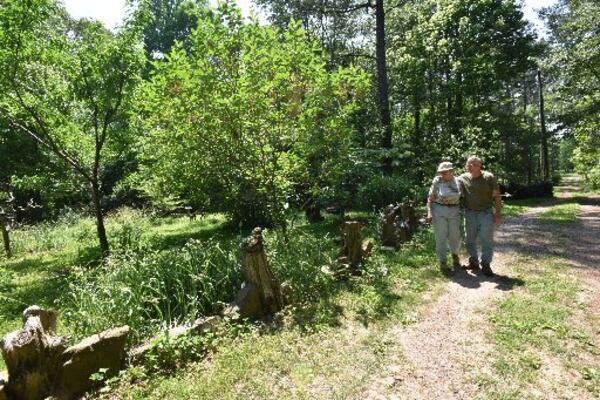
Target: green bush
381,190
298,261
593,178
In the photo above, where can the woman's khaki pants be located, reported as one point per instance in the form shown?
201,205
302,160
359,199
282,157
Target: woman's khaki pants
446,226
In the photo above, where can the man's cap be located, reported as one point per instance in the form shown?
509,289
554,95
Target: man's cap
445,166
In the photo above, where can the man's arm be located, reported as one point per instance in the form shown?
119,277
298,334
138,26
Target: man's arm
498,206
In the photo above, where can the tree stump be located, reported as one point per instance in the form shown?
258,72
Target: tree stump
260,286
409,215
390,236
32,355
404,232
353,244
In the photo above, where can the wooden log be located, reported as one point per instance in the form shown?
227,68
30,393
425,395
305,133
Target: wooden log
258,273
32,355
352,239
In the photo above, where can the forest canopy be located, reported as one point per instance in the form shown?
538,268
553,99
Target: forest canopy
340,104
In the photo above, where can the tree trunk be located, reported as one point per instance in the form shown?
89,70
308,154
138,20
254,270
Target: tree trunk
96,197
313,211
528,155
258,273
545,166
32,355
5,235
382,84
417,121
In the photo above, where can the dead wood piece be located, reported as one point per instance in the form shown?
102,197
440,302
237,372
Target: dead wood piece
404,232
247,304
101,352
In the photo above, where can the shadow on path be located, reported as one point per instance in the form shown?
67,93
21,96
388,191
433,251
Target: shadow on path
472,280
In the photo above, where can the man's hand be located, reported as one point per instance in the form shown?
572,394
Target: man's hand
497,218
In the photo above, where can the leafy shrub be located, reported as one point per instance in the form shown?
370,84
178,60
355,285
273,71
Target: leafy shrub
170,353
381,190
298,261
269,119
593,178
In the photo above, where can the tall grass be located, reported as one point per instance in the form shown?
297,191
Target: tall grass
150,289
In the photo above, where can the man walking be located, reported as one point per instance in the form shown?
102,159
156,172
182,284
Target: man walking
481,192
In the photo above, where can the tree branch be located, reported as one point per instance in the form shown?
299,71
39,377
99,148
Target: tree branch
48,143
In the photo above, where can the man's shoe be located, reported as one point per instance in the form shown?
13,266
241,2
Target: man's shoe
473,265
455,261
487,271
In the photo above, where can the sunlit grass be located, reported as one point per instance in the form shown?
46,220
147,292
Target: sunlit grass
514,208
532,323
561,214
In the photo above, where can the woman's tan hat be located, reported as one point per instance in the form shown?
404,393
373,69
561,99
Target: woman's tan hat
445,166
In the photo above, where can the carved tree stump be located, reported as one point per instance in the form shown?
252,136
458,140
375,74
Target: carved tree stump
404,232
409,215
32,355
260,282
353,244
390,236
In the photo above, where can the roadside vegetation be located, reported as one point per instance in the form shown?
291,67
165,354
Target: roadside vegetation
543,335
170,270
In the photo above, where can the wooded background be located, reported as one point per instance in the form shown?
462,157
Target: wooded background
342,103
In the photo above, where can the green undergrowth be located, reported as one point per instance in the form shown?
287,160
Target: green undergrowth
49,258
535,325
166,271
326,344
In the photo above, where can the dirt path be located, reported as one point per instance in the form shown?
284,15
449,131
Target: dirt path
440,356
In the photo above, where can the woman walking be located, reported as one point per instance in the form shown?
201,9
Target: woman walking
443,210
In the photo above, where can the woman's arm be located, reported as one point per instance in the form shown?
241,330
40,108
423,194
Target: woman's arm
430,200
